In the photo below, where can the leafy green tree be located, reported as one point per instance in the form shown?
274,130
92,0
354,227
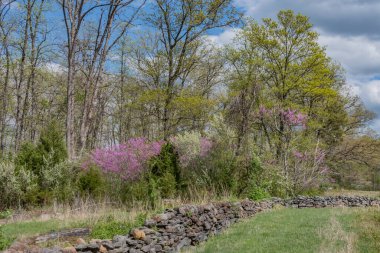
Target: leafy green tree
50,146
165,171
174,52
283,90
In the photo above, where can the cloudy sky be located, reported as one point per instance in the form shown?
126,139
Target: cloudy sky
350,30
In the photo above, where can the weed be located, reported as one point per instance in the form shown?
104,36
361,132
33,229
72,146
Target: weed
5,241
6,214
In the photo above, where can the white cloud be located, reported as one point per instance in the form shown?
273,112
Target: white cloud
224,37
375,125
359,55
55,67
351,17
371,90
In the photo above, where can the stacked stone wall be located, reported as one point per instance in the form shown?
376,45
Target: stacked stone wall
191,224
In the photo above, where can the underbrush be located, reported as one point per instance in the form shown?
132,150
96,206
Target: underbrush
107,227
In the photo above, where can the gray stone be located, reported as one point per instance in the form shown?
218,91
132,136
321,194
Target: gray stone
158,247
183,243
150,223
207,225
146,248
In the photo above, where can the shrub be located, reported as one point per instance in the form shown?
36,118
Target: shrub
9,185
5,214
275,183
257,183
51,144
167,185
201,162
30,158
40,160
17,185
59,181
165,168
91,182
217,171
257,193
108,227
191,146
49,151
154,193
135,191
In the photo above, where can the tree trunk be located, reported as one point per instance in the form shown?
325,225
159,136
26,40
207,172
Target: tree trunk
70,127
20,82
4,107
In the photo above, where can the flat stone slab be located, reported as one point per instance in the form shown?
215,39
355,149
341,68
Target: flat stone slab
76,232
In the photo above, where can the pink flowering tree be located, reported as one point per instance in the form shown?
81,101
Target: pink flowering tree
128,160
309,169
284,128
282,119
281,127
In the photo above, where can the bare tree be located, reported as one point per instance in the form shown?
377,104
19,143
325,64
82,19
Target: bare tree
5,30
36,50
109,29
21,71
74,12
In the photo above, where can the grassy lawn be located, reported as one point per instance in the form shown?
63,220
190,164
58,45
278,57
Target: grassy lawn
302,230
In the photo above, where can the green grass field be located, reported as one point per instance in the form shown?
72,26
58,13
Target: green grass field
301,230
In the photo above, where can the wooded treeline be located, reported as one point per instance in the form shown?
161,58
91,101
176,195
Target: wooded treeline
118,69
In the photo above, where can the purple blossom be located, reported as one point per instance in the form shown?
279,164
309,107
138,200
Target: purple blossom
128,159
293,118
311,163
318,156
263,111
289,116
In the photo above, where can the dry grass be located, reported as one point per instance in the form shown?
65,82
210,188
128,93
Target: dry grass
80,210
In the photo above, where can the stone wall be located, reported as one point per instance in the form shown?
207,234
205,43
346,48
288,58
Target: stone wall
190,224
